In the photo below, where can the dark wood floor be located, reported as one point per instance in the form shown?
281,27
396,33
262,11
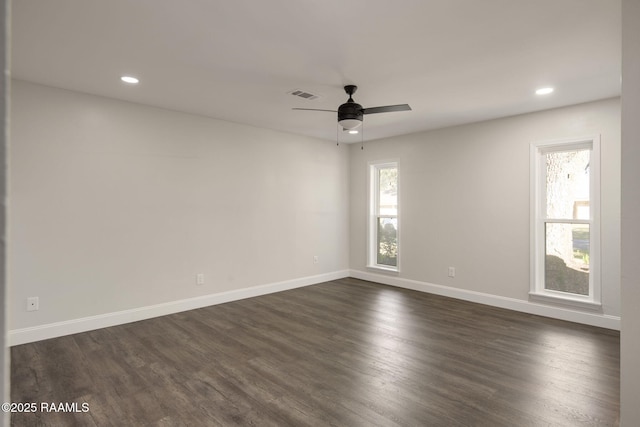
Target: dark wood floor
342,353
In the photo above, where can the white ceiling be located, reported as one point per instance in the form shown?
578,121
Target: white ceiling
453,61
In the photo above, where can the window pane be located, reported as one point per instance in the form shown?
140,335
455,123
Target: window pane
567,258
567,184
388,196
388,241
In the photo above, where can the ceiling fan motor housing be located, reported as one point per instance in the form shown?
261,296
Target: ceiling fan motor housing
350,111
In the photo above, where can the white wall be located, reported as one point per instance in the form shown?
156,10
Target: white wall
630,331
116,206
464,201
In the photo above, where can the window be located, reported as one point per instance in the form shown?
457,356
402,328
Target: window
383,216
565,177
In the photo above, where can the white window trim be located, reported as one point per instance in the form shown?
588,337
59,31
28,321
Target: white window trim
372,224
538,220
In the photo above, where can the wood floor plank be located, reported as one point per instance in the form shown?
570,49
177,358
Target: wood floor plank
341,353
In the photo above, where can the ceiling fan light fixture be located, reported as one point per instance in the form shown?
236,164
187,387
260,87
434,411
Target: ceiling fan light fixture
353,131
350,124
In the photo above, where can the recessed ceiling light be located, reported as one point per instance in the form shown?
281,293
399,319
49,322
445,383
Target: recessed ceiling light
544,91
353,131
129,79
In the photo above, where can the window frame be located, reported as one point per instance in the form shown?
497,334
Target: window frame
374,215
539,220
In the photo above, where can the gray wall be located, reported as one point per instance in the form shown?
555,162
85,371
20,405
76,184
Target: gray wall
630,331
116,206
464,200
4,129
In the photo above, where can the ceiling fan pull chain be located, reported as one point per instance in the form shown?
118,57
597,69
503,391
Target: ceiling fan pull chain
362,138
337,133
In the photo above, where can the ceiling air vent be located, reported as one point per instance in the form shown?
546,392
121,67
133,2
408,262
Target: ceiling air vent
304,94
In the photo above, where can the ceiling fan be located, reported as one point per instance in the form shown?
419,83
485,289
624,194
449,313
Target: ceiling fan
350,114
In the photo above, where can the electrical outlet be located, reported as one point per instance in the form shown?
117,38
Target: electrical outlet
315,259
33,304
452,272
200,279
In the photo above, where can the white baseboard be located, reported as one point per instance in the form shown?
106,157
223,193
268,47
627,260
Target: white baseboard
562,313
74,326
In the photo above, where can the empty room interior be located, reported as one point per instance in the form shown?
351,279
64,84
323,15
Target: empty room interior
322,213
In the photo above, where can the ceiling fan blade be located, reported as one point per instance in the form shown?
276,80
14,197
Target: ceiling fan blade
386,109
314,109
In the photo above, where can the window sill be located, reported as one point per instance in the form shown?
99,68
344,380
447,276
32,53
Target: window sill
383,269
559,298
